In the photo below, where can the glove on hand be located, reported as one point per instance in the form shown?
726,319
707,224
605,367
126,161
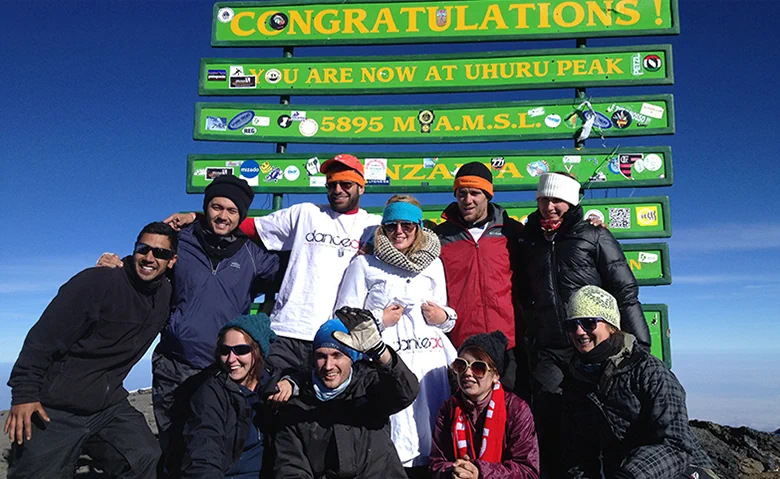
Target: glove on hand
363,332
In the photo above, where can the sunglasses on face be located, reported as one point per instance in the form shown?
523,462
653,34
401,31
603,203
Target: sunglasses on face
238,349
345,185
478,368
587,324
392,227
159,253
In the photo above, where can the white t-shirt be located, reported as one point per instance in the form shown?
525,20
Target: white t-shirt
477,231
321,243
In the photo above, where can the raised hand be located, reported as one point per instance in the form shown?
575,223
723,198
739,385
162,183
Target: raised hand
363,334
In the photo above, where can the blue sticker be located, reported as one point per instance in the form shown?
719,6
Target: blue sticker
217,75
274,175
241,120
614,166
601,120
250,169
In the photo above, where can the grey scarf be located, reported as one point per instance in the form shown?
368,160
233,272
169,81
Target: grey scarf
415,262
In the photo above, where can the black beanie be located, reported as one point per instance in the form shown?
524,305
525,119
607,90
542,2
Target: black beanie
479,170
235,189
494,344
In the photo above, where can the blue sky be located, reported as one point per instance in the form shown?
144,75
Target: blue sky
98,100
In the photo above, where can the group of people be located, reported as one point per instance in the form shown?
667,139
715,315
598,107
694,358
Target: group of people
478,347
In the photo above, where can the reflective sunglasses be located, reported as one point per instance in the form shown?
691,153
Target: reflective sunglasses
406,226
478,368
159,253
345,185
587,324
238,349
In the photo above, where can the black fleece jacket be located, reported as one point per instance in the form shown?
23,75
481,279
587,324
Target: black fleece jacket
99,325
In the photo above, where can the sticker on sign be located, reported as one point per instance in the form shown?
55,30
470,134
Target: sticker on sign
647,257
652,111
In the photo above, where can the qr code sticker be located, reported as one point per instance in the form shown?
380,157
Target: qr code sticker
620,218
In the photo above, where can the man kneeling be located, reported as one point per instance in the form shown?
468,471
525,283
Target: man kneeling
338,426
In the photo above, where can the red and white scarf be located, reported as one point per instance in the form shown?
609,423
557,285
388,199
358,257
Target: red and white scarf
492,431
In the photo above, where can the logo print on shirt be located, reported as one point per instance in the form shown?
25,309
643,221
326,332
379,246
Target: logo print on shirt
329,239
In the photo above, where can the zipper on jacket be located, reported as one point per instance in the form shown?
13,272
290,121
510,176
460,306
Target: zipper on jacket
554,273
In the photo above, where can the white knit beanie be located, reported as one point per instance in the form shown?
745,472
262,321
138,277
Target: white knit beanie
556,185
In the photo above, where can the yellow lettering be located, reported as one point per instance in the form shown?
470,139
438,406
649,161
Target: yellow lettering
522,13
314,76
354,16
367,76
432,19
579,67
471,75
634,264
470,124
329,75
412,23
627,8
596,67
443,122
412,174
395,172
257,73
558,13
603,15
400,124
319,26
612,65
489,70
297,19
494,15
405,73
564,66
461,25
262,24
544,15
288,79
386,74
236,28
511,168
385,17
538,71
433,73
523,70
449,69
440,169
523,121
346,75
501,121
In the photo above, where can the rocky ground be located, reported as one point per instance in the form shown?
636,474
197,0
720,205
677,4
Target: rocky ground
738,452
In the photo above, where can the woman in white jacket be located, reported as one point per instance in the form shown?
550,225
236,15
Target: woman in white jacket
403,285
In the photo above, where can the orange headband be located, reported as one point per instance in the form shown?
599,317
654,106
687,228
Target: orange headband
474,182
346,175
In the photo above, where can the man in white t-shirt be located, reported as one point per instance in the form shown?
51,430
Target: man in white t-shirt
321,239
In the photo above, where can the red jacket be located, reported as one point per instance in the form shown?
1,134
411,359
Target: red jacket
520,457
481,286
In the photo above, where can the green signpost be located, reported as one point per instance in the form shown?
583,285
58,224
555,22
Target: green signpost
657,317
449,123
515,70
649,262
435,171
340,22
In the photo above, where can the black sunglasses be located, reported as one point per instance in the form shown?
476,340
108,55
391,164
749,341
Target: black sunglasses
587,324
238,349
345,185
478,368
406,226
159,253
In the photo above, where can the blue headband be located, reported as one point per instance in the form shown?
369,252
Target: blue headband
401,211
324,339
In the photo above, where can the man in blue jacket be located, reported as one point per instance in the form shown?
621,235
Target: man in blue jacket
216,279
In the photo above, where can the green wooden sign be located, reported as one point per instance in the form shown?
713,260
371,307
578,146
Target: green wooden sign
564,68
627,218
339,22
649,262
657,317
450,123
435,171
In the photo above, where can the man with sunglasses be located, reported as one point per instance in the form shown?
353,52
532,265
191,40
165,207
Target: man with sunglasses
66,386
479,245
625,410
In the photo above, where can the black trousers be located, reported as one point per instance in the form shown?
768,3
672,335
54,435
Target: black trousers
117,438
167,375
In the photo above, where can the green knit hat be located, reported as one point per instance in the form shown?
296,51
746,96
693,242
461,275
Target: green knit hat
593,302
258,326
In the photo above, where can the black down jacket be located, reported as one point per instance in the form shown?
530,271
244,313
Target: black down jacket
581,254
349,435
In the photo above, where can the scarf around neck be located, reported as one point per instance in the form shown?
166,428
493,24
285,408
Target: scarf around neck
415,262
216,246
493,430
325,393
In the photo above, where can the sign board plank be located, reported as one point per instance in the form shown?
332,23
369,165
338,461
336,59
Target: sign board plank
449,123
649,262
366,22
434,171
515,70
657,317
627,218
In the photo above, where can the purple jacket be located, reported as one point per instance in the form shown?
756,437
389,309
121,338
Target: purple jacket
520,459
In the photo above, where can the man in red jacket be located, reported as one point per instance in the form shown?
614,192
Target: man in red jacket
479,245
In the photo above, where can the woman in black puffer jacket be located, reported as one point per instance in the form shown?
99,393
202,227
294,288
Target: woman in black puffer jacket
563,252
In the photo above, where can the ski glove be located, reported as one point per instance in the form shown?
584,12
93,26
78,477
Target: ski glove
363,332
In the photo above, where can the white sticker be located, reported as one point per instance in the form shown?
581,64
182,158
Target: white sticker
375,169
298,115
249,130
652,111
594,213
552,121
261,121
308,127
639,166
291,173
317,181
536,112
233,163
653,162
236,71
572,158
273,76
224,15
647,257
199,172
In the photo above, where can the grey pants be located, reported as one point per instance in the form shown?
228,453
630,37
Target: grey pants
117,439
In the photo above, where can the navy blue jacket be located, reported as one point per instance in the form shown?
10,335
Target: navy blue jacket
206,297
